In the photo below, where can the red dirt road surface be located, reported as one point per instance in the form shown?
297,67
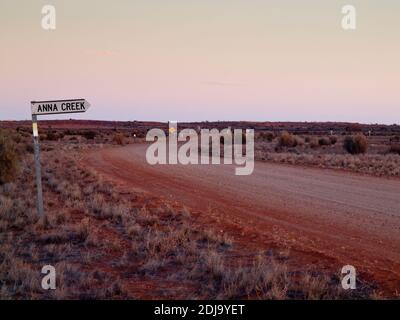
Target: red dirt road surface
328,218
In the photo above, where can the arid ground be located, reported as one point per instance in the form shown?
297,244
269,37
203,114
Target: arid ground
350,218
118,228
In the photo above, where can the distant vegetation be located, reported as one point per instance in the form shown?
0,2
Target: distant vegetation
90,135
287,140
118,138
266,135
394,148
376,154
324,142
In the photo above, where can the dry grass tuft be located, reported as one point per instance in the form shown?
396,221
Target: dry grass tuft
356,144
9,159
394,148
266,136
324,142
287,140
118,138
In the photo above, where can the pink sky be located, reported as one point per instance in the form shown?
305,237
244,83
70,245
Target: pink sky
202,60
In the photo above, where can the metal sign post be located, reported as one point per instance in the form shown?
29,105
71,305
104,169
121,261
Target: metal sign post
48,108
38,169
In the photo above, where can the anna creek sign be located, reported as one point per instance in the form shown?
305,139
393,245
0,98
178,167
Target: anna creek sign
40,108
59,106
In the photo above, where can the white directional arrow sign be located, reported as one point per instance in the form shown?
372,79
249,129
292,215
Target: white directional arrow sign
59,106
40,108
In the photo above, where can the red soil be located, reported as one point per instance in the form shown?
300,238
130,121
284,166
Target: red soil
327,218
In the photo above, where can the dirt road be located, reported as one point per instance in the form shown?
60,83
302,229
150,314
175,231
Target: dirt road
330,216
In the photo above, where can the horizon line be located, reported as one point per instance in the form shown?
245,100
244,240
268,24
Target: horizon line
204,121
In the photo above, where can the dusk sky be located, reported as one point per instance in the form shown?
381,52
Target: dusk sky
197,60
